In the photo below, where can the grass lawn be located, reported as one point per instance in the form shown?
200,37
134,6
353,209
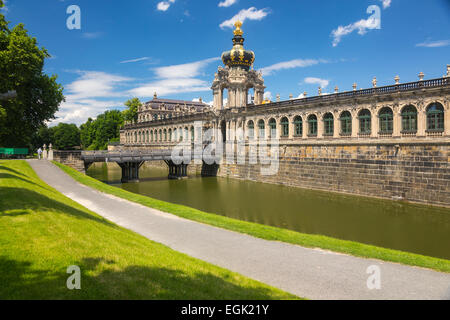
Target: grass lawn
42,233
267,232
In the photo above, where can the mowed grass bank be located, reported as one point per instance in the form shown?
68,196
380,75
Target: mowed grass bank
42,233
267,232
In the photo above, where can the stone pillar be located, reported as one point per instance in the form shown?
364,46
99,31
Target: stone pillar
44,152
447,118
355,124
320,126
50,152
421,122
397,122
291,128
337,125
305,126
375,123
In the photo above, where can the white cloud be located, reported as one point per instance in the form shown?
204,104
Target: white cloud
176,79
171,86
164,5
297,63
135,60
386,3
227,3
78,111
91,94
250,14
95,84
188,70
322,82
362,26
434,44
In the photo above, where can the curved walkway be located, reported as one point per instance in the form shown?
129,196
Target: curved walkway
310,273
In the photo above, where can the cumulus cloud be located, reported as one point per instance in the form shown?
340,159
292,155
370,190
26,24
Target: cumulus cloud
434,44
170,86
164,5
89,95
322,82
362,26
180,78
245,14
297,63
187,70
227,3
94,84
78,111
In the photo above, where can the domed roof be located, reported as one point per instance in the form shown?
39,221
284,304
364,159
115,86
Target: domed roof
238,57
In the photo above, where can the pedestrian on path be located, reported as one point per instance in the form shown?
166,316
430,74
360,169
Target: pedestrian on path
39,152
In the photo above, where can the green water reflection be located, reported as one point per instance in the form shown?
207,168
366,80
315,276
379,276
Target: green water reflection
408,227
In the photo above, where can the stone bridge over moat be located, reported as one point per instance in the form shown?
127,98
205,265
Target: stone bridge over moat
131,161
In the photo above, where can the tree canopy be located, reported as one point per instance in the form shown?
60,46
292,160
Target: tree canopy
97,134
38,95
131,113
62,137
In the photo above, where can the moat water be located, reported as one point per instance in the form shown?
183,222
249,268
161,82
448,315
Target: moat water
389,224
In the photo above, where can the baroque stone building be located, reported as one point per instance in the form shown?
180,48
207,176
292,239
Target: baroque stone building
391,141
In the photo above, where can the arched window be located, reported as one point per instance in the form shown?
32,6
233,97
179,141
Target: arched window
192,134
160,135
328,121
285,127
435,118
312,125
155,117
346,123
175,135
251,130
170,135
409,119
298,126
151,136
273,128
261,129
365,122
165,134
135,137
386,121
147,137
186,134
140,137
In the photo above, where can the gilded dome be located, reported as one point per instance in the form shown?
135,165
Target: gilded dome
238,57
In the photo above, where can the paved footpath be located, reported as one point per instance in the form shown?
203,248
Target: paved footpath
310,273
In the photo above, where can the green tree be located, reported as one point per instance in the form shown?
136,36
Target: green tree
38,95
97,134
65,136
131,113
86,134
43,136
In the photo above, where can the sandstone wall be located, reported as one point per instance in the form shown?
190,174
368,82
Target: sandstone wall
411,172
70,158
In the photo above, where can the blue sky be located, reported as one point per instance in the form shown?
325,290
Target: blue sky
134,48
